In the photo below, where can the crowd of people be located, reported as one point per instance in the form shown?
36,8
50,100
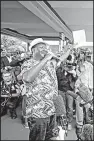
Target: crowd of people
39,78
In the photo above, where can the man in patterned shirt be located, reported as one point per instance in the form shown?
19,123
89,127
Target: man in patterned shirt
39,77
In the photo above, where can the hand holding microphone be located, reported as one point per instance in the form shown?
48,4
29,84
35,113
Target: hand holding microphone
48,55
51,55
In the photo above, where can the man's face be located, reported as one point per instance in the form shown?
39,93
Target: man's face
7,77
82,56
3,53
88,58
39,51
8,52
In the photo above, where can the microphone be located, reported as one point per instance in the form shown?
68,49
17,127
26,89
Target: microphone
45,52
54,56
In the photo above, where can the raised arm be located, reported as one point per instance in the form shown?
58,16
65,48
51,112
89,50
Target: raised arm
65,55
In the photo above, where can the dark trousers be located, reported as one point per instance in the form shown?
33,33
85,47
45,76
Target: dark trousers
42,128
68,100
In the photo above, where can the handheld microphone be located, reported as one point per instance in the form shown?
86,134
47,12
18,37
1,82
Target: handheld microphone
45,52
54,56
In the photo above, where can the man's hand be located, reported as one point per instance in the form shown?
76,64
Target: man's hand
48,57
70,46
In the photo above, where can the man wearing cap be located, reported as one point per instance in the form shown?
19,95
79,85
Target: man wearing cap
88,57
39,77
4,59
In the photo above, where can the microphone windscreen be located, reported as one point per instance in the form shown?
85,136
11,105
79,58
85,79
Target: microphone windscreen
59,105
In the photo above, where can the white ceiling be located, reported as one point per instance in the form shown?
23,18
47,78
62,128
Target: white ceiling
17,17
77,15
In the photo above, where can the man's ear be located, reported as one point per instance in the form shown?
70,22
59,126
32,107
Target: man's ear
32,50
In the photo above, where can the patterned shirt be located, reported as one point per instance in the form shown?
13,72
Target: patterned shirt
40,92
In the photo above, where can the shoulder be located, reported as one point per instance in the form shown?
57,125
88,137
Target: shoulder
88,65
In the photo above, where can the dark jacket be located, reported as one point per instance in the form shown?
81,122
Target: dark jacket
4,62
65,82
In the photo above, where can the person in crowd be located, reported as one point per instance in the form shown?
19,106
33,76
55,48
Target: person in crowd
8,55
85,79
10,88
16,64
66,82
87,133
4,59
39,76
88,68
89,71
88,58
16,59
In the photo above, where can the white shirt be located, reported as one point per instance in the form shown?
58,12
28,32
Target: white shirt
83,78
86,77
9,59
89,73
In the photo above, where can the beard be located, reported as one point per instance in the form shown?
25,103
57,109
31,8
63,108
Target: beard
43,53
39,56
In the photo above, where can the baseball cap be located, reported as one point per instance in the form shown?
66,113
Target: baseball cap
35,42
